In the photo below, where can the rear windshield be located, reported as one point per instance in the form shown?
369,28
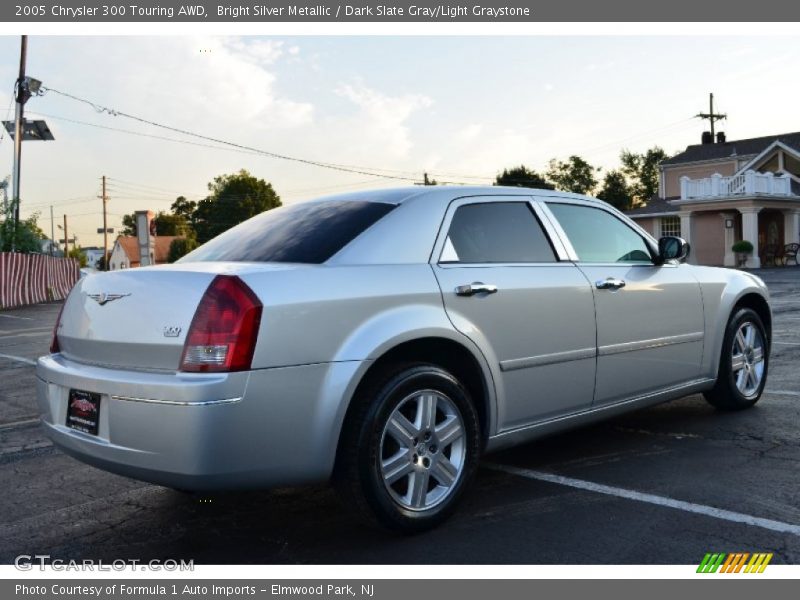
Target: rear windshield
303,233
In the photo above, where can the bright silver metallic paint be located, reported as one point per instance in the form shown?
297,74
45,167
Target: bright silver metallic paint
546,362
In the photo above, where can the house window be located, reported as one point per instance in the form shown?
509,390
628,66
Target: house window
671,226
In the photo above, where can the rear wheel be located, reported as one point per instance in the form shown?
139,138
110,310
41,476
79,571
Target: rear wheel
743,364
409,447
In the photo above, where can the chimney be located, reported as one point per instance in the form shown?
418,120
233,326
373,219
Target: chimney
145,235
707,138
720,137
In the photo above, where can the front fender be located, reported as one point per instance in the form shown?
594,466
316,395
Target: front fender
722,290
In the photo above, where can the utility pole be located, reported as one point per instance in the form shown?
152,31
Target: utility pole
66,238
105,226
21,98
711,115
52,232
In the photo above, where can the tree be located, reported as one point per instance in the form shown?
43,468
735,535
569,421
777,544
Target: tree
77,253
26,237
642,172
166,224
573,175
234,198
522,176
180,247
128,225
615,191
184,208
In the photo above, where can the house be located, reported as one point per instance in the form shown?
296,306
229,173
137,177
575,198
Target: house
125,254
718,192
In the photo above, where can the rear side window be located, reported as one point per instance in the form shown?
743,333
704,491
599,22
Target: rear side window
496,232
600,237
303,233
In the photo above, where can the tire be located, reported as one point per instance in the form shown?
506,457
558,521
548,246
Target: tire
401,465
743,363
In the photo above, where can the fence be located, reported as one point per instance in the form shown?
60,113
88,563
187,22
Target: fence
34,278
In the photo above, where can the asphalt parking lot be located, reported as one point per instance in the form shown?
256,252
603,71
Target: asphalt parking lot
660,486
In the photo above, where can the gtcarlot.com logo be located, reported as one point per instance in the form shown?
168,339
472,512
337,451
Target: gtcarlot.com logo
736,562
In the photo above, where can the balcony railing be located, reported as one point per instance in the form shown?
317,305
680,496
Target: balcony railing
744,184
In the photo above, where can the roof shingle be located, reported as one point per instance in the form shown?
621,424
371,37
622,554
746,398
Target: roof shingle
698,152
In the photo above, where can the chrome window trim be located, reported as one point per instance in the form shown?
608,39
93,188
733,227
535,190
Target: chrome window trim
456,203
649,241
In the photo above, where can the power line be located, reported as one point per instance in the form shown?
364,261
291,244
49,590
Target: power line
332,166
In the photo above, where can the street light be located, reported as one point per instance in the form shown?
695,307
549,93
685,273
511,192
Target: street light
37,130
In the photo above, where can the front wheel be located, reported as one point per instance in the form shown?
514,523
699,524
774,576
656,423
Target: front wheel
743,364
409,448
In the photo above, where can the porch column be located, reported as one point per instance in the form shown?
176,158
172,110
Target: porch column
686,233
791,226
750,233
730,258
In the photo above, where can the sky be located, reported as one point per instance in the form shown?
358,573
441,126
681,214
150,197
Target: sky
459,108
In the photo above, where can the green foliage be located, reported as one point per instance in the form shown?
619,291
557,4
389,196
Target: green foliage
742,247
180,247
26,237
642,172
615,191
77,253
166,224
573,175
184,208
233,199
128,225
522,176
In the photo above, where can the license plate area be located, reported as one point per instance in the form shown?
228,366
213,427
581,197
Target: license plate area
83,411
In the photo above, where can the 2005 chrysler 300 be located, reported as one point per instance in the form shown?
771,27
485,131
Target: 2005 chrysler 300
386,340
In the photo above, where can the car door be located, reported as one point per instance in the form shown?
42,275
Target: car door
506,287
650,324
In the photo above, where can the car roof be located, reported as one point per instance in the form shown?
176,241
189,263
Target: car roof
446,193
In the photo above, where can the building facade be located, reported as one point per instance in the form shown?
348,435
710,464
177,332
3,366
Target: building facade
125,254
719,192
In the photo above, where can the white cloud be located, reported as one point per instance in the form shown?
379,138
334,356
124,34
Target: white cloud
381,121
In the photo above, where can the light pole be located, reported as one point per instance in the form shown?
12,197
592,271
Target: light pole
36,130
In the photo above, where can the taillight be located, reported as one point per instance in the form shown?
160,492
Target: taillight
224,330
54,346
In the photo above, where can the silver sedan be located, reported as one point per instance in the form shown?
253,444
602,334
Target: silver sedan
386,340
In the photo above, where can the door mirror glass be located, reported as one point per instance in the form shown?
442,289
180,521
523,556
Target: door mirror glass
672,248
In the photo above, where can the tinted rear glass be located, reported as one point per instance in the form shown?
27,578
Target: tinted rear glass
303,233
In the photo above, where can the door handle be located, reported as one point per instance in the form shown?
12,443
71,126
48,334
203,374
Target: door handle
476,287
610,283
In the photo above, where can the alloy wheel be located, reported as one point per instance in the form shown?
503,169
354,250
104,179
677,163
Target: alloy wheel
422,450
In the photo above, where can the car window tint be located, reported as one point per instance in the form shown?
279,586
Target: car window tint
496,232
598,236
304,233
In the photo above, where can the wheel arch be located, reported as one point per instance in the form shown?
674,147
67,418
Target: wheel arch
454,356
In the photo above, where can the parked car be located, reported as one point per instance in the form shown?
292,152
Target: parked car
386,340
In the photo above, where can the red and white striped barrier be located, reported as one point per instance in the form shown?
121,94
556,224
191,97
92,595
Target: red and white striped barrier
34,278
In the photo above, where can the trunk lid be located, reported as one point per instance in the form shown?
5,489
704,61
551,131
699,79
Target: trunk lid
138,318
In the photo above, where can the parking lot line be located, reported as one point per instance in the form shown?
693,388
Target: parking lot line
15,317
782,393
701,509
21,359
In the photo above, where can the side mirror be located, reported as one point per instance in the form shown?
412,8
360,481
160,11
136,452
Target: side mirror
672,248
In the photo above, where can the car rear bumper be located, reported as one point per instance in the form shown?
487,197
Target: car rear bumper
200,431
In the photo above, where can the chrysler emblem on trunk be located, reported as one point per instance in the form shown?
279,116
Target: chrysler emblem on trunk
104,298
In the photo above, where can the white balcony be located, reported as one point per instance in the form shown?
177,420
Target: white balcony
749,183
